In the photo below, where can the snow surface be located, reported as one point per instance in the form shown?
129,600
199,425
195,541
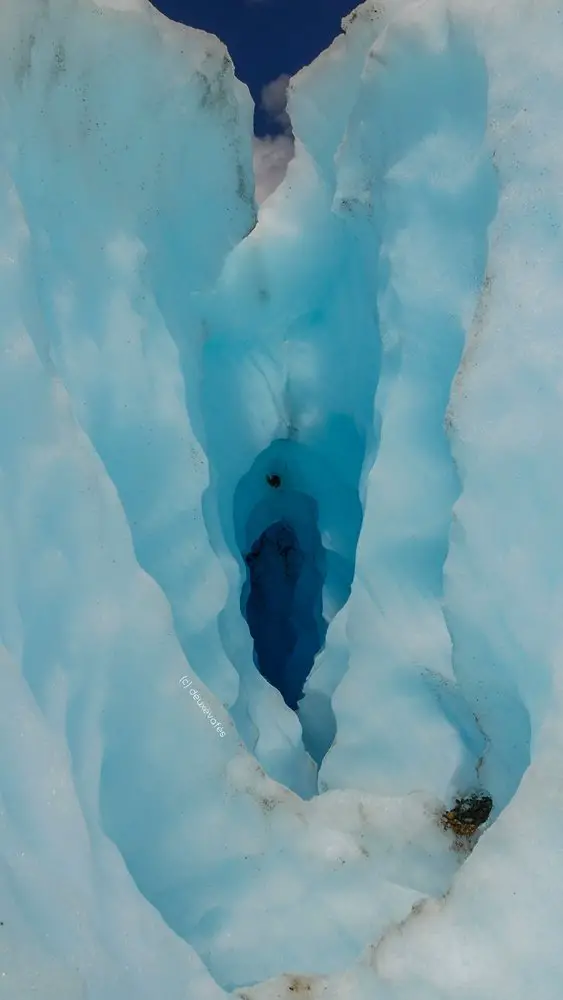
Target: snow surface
385,335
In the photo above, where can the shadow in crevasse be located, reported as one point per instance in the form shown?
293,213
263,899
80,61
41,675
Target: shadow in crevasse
297,514
282,602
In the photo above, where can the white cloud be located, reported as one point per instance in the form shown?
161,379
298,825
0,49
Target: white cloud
271,157
274,101
273,153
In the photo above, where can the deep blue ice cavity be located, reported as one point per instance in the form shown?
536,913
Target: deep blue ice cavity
282,596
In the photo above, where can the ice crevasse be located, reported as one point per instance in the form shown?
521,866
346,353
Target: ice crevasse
280,518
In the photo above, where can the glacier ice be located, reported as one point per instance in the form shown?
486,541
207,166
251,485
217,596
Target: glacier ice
371,360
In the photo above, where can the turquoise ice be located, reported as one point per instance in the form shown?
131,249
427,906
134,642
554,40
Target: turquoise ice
372,360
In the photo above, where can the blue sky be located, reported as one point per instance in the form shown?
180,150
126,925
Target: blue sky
266,38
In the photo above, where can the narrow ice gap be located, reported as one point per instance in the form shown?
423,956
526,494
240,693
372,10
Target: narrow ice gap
310,424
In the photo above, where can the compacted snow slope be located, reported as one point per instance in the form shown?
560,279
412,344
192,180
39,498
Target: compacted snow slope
374,361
